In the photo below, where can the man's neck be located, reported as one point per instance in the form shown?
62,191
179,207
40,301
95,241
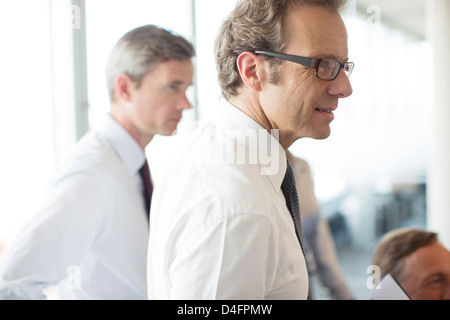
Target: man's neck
252,108
142,139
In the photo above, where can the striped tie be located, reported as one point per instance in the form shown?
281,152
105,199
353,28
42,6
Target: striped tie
291,196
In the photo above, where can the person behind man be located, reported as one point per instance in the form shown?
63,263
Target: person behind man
417,260
318,243
89,239
221,225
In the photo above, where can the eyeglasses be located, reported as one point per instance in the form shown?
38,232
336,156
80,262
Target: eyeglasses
326,69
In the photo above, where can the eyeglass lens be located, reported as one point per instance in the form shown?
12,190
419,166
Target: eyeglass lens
329,69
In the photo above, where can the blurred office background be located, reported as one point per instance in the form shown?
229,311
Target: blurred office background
386,164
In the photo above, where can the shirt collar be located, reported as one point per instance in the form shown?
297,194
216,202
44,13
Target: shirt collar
272,161
128,150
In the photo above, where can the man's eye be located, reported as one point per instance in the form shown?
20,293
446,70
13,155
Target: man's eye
173,87
436,283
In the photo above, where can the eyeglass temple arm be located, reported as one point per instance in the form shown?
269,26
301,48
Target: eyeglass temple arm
302,60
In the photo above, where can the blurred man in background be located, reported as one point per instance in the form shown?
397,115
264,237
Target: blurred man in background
89,239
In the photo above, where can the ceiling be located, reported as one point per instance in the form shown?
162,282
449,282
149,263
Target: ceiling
405,15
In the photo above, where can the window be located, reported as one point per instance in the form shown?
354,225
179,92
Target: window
26,130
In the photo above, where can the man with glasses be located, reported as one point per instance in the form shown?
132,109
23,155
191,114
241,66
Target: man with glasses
223,226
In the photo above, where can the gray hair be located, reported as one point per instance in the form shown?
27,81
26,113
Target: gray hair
140,50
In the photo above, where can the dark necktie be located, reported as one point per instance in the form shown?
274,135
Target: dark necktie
291,196
148,187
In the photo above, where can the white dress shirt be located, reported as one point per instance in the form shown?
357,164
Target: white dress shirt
89,238
219,225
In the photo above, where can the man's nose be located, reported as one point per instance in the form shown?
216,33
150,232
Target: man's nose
184,103
341,86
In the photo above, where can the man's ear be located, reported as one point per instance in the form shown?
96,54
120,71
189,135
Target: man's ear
123,86
251,69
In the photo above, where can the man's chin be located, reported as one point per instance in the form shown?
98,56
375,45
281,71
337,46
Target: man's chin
323,137
168,131
318,135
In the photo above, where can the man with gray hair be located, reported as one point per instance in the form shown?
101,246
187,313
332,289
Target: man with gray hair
89,239
224,223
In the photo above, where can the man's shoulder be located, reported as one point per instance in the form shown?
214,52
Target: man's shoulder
208,155
90,156
92,148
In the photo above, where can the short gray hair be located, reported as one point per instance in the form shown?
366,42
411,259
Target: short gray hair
140,50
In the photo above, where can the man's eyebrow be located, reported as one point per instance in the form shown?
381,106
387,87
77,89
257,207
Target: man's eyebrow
333,57
438,274
337,58
180,83
177,82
